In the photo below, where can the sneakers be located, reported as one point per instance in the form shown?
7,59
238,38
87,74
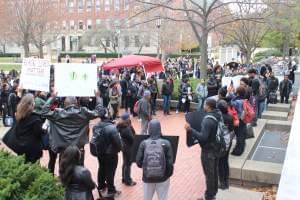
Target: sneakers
177,112
129,184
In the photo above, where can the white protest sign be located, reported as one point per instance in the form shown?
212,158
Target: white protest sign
72,79
35,74
235,79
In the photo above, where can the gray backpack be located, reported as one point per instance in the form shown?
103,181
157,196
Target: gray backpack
154,164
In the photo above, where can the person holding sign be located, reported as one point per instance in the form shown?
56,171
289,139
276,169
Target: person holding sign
70,125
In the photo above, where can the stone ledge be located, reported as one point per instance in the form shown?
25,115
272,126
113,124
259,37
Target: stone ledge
273,115
279,107
238,193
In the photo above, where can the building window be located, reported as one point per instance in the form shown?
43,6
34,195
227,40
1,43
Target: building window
89,5
126,4
107,5
107,42
98,5
126,41
80,5
137,41
98,23
71,5
117,5
80,25
72,25
64,25
89,24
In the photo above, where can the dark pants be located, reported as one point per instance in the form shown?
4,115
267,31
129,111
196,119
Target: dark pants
123,100
126,168
241,133
179,104
210,163
187,105
4,113
52,161
153,103
129,104
284,99
224,169
106,172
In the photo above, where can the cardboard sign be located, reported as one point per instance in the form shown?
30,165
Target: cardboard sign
35,74
235,79
174,140
78,80
195,120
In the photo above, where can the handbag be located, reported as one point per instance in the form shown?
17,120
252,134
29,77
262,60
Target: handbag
250,132
11,141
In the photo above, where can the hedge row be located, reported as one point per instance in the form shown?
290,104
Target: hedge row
18,55
19,181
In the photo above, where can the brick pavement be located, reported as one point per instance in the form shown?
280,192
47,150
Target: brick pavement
187,182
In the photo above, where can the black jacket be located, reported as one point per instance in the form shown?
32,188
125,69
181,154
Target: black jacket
273,84
254,84
81,185
166,89
212,87
285,88
127,134
29,135
228,121
207,136
155,134
112,137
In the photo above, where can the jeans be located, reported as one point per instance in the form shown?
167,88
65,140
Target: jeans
261,106
106,172
241,133
161,189
179,104
144,126
210,163
126,168
166,104
200,103
129,104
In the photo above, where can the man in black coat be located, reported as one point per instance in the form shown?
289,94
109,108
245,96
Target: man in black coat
285,89
107,153
209,146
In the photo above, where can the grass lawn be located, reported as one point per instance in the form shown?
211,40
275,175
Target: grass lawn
7,60
10,67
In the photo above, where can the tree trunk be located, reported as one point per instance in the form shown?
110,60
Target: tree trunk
41,51
4,49
141,48
204,55
286,44
248,57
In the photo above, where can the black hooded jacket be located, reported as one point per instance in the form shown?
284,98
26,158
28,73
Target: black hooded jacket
155,134
207,136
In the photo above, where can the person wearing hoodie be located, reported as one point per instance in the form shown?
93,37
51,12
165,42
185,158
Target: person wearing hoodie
127,133
209,146
107,153
201,92
144,111
212,87
156,175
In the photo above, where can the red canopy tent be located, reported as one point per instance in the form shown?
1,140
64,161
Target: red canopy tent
150,64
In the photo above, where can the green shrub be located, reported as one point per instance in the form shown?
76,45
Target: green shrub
19,181
18,55
193,82
86,54
265,54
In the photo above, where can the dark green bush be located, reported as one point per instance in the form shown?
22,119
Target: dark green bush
266,54
193,82
19,181
18,55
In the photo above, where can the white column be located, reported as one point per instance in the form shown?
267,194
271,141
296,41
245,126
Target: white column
67,41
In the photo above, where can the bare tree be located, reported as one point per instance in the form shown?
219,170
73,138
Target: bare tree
204,17
31,21
247,34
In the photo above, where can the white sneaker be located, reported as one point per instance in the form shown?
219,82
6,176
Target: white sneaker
177,112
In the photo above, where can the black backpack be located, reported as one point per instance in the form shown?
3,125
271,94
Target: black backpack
98,143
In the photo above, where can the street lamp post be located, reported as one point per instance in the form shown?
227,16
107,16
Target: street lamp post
158,26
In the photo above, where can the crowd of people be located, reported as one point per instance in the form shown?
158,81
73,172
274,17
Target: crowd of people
43,121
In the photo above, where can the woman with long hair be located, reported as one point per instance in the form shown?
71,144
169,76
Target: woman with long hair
127,133
76,179
29,130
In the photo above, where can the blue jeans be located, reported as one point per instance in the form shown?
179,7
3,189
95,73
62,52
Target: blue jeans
261,106
200,103
166,104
